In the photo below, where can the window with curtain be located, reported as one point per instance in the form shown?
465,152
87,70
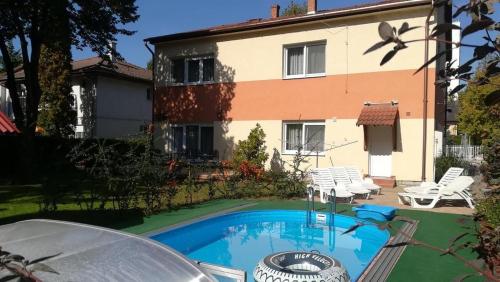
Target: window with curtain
309,136
316,59
293,136
306,60
314,138
295,61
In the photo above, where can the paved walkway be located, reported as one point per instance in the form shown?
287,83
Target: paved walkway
389,197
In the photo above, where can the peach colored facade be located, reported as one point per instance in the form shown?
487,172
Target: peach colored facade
249,87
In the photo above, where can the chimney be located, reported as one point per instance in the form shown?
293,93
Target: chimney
275,11
311,7
112,49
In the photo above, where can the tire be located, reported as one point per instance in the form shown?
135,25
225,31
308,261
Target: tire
299,267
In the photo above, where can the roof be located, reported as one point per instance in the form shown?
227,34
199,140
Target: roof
92,253
6,125
118,68
256,24
378,114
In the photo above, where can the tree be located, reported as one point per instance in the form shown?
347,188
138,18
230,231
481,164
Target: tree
475,118
294,9
16,58
92,24
149,65
57,116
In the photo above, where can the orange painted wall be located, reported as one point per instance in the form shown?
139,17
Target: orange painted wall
338,96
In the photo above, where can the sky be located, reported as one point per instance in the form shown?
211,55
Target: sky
160,17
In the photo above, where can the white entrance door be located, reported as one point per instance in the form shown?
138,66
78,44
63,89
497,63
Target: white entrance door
380,150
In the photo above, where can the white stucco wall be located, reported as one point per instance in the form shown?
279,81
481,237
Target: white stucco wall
122,107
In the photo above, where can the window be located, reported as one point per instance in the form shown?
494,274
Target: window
193,70
177,139
192,139
309,136
148,93
306,60
178,70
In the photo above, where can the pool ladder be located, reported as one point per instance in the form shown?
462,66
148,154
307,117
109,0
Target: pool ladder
310,203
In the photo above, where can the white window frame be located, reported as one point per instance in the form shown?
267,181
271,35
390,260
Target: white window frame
303,141
304,64
184,134
186,71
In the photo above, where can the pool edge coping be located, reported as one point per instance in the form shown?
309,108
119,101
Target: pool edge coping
195,220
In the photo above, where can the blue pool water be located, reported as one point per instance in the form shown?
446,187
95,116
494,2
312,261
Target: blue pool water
239,240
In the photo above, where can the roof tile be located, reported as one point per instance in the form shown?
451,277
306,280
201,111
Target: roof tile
381,114
6,125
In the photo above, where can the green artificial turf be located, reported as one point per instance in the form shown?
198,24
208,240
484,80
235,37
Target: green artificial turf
416,263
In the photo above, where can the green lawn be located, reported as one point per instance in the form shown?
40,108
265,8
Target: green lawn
416,263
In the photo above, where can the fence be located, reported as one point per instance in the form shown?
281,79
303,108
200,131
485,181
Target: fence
467,152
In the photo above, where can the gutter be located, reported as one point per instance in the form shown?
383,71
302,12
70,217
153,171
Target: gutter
247,26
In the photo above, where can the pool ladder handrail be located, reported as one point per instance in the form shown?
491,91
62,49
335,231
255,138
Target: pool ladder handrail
333,201
310,203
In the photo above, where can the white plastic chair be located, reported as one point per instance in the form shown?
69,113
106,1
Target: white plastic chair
340,176
451,174
357,179
456,190
324,183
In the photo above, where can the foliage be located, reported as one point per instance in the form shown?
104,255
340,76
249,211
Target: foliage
57,116
149,65
444,162
479,12
489,209
288,183
252,150
295,9
491,156
475,118
91,24
21,268
15,56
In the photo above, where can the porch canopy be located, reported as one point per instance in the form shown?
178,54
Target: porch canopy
385,114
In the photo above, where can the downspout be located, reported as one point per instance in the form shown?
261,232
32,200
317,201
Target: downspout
153,90
426,93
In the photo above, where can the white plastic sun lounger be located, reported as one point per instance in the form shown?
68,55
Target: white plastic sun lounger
357,179
324,183
456,190
340,176
451,174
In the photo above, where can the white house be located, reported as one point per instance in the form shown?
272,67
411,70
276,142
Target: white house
112,100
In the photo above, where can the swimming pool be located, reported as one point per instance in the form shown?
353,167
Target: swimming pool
240,239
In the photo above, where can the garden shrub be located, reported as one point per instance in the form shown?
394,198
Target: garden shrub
491,156
444,162
489,209
252,150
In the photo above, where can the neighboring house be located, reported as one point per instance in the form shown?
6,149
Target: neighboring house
112,100
305,80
